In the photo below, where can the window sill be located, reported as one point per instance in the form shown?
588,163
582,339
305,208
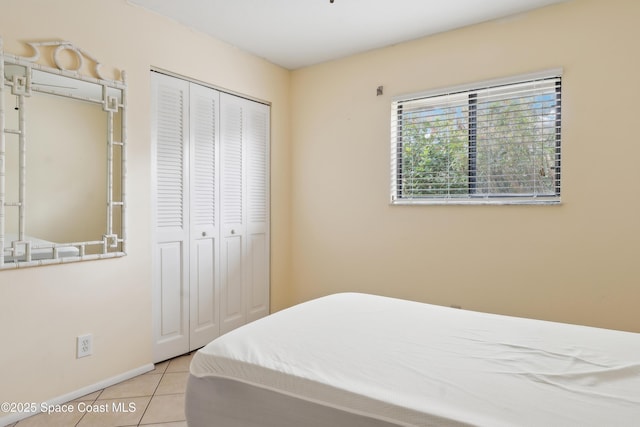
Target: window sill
476,202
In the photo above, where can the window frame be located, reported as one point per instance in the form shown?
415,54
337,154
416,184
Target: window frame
471,92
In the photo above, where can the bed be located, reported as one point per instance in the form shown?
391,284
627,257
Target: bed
362,360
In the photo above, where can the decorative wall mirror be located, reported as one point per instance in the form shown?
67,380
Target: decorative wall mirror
62,158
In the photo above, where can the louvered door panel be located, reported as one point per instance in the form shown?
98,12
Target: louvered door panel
170,136
232,159
170,159
257,176
204,128
204,312
232,276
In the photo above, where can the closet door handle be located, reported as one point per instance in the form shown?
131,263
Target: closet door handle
233,231
204,234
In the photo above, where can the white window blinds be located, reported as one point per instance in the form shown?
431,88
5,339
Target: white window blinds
498,142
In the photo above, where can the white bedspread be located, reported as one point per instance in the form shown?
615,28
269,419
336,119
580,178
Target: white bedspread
419,364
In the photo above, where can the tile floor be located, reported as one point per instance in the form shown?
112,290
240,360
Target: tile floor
157,398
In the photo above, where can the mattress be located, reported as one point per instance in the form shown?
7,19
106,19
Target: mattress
385,361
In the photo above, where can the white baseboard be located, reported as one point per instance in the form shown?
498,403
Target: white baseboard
15,417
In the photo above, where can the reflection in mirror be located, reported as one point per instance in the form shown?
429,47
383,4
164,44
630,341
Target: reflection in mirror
63,141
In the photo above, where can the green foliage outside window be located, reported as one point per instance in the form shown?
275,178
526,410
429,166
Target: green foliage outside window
486,147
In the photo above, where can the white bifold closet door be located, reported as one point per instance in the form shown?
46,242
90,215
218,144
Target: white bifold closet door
244,128
203,214
211,210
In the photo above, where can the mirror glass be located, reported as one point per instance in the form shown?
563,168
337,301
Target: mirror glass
64,166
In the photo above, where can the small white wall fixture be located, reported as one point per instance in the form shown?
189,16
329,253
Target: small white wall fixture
62,157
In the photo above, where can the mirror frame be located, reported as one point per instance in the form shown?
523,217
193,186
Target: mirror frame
113,243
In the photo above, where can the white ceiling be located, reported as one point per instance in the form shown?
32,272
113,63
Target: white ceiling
298,33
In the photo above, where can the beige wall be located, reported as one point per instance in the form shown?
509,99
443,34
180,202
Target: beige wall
43,309
576,262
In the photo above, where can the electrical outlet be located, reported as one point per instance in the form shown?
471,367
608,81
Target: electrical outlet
84,345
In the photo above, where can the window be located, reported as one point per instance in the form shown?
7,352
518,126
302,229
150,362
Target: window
497,142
